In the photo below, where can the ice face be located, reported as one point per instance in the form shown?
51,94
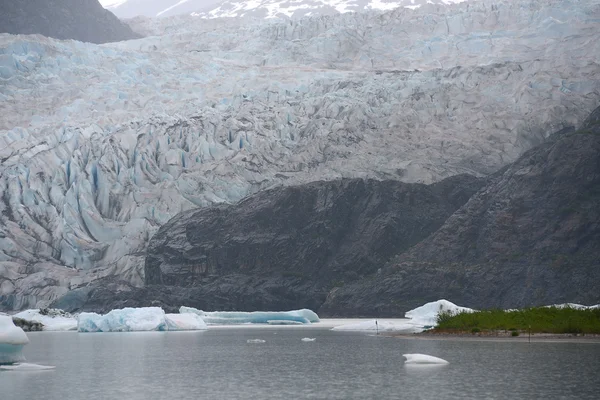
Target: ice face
124,320
185,322
303,316
426,315
55,322
12,340
138,319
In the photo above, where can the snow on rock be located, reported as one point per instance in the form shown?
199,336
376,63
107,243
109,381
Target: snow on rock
53,320
423,359
121,137
12,340
426,315
303,316
185,322
26,367
574,306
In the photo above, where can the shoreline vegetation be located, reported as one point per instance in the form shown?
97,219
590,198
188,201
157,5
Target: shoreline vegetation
539,321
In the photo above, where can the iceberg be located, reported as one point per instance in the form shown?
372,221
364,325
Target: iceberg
307,339
426,315
303,316
12,340
380,326
53,320
185,322
255,341
139,319
423,359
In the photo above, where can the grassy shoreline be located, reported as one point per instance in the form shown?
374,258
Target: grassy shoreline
547,320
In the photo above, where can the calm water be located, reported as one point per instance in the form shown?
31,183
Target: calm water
219,364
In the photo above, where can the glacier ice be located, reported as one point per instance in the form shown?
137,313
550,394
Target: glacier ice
426,315
138,319
12,340
123,136
185,322
123,320
303,316
52,322
417,358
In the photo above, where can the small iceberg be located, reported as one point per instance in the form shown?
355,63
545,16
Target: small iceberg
255,341
12,340
185,322
423,359
25,367
51,319
303,316
307,339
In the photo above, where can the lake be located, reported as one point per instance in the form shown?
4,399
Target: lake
220,364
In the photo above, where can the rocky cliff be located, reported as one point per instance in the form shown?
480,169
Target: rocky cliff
287,247
531,236
83,20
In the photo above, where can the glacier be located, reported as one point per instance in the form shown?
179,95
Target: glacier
138,320
12,340
102,144
303,316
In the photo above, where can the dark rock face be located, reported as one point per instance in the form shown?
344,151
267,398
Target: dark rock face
531,236
83,20
283,248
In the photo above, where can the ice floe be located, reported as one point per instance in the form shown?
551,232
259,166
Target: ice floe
26,367
303,316
307,339
255,341
423,359
53,320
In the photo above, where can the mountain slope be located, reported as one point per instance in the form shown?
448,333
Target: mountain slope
83,20
529,237
260,8
285,248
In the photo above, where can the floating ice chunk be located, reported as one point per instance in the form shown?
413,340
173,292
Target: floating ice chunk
55,320
426,315
255,341
25,367
380,326
12,340
423,359
284,322
124,320
303,316
307,339
185,322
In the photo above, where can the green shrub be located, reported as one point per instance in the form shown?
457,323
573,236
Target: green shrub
514,333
